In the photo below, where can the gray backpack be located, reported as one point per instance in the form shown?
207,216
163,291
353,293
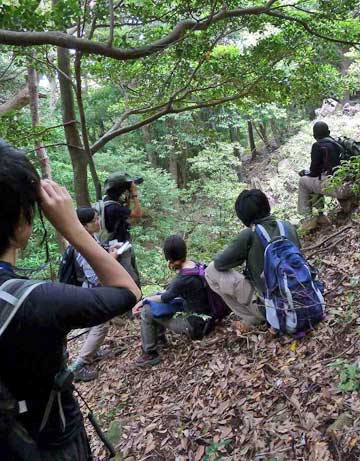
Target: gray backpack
104,235
13,293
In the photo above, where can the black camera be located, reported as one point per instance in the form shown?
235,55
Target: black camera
138,180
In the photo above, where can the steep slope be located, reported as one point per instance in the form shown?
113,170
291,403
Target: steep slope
248,397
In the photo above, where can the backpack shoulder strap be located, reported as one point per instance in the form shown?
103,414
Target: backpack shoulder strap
281,228
263,234
14,292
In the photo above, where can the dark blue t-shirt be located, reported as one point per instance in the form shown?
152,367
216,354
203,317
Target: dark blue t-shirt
31,349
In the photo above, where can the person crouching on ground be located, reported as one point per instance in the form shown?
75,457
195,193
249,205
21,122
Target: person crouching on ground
91,349
313,184
194,300
242,291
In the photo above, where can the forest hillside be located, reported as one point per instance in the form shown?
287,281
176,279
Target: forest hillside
189,103
240,397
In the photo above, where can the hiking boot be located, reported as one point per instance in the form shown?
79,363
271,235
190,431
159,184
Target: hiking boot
84,374
163,341
310,224
148,360
346,205
323,221
101,353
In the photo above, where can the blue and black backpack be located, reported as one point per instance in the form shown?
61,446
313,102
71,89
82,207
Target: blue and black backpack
293,299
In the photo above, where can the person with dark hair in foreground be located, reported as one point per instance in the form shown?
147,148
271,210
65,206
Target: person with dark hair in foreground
325,157
33,346
190,293
241,290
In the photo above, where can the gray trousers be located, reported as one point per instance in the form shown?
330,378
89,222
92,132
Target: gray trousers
309,186
237,292
152,326
93,341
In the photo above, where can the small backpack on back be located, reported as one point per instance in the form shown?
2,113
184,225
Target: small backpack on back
69,270
104,235
293,299
13,293
218,308
351,148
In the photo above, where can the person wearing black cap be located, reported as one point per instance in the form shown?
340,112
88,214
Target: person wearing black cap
240,290
325,157
120,203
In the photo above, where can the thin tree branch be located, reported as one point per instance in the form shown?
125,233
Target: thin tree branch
48,146
7,68
309,29
39,133
94,175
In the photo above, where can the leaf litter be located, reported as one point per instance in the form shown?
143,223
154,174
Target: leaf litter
234,397
237,397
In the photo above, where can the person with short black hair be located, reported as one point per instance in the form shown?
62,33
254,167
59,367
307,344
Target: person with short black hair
193,299
242,291
33,346
313,184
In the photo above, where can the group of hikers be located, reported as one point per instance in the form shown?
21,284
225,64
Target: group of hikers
40,418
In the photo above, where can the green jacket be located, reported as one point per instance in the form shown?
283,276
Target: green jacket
247,248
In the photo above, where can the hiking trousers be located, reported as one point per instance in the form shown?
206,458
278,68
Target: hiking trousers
237,292
152,327
308,186
93,341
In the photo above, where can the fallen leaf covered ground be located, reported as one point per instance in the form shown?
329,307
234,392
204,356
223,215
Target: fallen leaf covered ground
247,397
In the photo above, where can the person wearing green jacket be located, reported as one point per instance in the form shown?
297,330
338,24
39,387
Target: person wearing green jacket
242,291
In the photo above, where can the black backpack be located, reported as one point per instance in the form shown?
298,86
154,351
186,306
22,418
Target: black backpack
69,270
351,148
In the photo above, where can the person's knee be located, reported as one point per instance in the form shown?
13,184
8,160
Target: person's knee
146,315
210,271
303,182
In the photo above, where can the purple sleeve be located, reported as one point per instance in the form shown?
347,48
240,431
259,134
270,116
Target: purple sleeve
172,291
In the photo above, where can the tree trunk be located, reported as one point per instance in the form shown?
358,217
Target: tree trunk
84,130
234,134
145,130
53,93
78,156
344,67
251,139
275,132
34,110
264,136
39,146
173,168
